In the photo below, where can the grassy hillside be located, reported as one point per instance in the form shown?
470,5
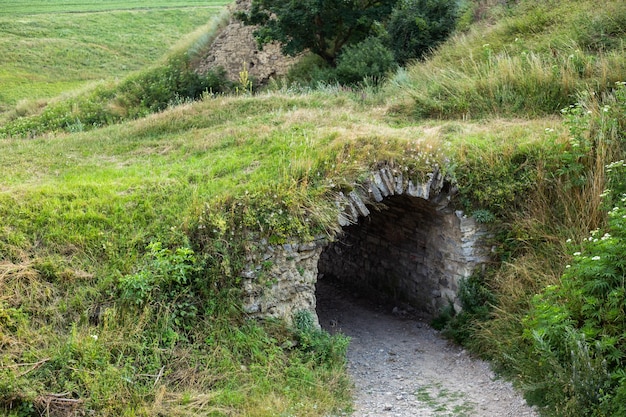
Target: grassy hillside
82,208
52,47
120,246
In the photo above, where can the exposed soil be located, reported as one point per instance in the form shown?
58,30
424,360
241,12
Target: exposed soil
402,367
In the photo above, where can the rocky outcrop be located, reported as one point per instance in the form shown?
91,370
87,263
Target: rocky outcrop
235,47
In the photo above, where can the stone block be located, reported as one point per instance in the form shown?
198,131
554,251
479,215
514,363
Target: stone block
387,177
399,183
375,193
380,184
359,204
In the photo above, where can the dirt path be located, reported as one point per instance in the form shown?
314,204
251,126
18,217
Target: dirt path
401,367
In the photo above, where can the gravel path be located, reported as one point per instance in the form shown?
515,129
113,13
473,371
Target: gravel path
401,367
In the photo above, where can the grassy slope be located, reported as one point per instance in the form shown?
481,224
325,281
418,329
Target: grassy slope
533,62
52,48
80,209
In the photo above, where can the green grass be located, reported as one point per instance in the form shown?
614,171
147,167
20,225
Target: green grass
49,48
532,63
444,402
98,225
30,7
81,208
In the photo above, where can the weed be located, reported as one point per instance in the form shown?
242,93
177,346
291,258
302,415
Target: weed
483,216
245,84
317,344
444,402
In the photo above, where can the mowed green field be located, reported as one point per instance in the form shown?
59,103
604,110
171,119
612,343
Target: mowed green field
49,47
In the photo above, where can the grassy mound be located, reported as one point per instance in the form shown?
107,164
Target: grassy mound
531,63
120,247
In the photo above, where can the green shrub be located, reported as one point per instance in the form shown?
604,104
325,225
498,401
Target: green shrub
147,92
369,59
577,330
156,89
483,216
476,300
309,71
417,26
316,344
171,278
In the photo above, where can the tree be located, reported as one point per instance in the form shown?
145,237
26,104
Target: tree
322,26
367,59
417,26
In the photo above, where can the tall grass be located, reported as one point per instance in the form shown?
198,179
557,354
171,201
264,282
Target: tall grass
568,204
511,70
528,84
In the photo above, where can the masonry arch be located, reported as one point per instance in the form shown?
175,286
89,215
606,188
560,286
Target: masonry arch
400,240
409,248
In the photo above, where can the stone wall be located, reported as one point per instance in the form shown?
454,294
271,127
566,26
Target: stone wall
400,240
283,282
235,47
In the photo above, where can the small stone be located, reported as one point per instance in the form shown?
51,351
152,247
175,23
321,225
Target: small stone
387,407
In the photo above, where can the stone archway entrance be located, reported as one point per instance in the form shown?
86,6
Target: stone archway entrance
400,241
409,252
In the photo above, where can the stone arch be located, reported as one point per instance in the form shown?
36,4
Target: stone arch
404,242
399,240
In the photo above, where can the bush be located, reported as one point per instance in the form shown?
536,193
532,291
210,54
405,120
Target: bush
576,330
310,71
171,278
147,92
156,89
318,345
417,26
369,59
477,301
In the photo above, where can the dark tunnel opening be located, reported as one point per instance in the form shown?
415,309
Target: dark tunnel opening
410,253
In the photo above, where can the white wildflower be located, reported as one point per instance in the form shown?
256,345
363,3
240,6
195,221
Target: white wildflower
595,258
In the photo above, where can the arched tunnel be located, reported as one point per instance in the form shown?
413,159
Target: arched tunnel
409,252
400,242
